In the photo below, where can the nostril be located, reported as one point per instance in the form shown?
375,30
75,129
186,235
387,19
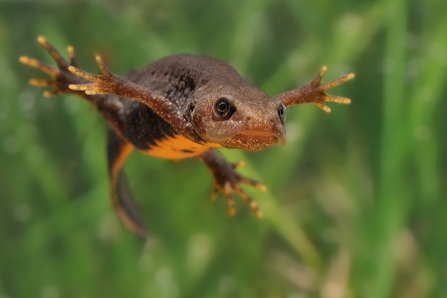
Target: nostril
272,120
248,118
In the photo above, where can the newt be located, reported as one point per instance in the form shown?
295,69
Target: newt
181,106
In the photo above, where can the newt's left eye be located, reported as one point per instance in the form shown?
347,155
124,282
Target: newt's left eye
224,108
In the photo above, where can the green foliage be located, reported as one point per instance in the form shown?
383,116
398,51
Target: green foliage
356,202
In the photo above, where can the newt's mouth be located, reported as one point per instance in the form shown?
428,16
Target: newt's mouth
266,135
255,140
257,133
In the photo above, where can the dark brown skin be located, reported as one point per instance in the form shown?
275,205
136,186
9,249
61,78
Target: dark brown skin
179,107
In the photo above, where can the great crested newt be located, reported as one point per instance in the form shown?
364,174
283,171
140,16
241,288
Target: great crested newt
181,106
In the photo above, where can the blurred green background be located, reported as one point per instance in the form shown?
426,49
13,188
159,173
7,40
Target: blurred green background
356,205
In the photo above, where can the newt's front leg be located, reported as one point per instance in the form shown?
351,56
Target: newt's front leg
109,83
227,180
316,92
61,78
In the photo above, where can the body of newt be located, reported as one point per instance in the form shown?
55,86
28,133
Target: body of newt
182,106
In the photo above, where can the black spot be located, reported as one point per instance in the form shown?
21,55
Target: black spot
186,151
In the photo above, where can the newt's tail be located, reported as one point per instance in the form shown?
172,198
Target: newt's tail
117,152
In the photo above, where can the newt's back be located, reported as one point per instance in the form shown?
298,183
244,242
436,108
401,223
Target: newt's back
176,78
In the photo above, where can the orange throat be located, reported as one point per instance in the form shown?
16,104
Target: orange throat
178,147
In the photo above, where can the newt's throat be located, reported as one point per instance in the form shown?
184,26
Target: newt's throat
178,147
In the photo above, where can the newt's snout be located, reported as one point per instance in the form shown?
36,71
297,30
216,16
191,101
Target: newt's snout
259,129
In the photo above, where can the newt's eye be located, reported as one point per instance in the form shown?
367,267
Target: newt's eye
223,108
282,112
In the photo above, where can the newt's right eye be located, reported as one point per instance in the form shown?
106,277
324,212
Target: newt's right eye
282,112
224,108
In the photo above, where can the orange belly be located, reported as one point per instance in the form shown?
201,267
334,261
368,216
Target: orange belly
178,147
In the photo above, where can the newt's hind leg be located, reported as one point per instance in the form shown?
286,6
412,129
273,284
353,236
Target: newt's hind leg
117,152
227,180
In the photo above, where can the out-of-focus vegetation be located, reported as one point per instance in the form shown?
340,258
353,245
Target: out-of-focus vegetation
356,205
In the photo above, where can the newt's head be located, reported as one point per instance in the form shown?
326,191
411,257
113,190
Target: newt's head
238,115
